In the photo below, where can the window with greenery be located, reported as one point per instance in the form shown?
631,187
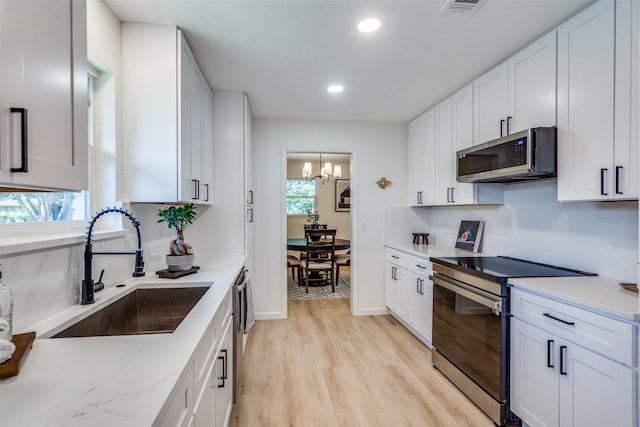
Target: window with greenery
301,196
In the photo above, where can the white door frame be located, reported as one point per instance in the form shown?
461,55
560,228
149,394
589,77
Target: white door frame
354,222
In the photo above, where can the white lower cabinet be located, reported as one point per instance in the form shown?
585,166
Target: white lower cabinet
409,292
204,394
556,382
179,407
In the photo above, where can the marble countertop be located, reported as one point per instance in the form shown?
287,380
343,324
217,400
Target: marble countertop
431,250
597,293
601,294
116,380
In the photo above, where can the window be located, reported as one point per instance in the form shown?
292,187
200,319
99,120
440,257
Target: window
301,196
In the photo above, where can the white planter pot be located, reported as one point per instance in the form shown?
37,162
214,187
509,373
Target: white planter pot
180,262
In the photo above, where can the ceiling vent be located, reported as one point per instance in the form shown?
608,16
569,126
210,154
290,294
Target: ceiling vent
459,6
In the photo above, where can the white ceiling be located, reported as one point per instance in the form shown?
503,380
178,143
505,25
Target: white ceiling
284,54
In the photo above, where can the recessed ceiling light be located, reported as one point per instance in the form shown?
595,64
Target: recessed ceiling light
369,25
335,88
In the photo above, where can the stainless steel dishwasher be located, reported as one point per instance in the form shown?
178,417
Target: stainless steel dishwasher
241,325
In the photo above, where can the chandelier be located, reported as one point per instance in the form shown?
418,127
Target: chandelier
325,172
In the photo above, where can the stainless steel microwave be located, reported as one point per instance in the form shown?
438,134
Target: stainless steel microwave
521,156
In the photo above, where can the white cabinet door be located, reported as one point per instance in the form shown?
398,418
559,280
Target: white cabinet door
462,119
535,394
205,408
421,159
586,104
224,371
594,391
627,100
416,160
43,74
420,300
167,119
207,145
444,153
490,104
532,85
391,286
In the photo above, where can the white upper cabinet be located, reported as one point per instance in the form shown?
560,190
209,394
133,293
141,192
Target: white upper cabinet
532,85
518,94
233,190
598,103
490,105
434,139
421,159
167,118
43,102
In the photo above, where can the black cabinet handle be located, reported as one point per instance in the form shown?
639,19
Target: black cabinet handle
501,128
509,125
196,189
23,139
207,193
618,169
566,322
602,173
224,368
563,351
549,353
453,195
448,194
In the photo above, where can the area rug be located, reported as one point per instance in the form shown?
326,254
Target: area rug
343,288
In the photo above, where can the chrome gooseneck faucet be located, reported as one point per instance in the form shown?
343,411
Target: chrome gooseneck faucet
87,284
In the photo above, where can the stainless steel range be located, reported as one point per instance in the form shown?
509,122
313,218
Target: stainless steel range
471,325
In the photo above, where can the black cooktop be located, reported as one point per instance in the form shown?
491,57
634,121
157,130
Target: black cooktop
507,267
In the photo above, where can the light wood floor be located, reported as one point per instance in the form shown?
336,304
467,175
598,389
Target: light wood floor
324,367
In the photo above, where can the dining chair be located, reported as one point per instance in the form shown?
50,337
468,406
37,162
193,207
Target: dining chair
319,262
293,262
342,260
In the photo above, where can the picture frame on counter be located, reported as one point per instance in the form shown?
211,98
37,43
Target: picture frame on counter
469,235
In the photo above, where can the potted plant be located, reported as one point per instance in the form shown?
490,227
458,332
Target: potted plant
313,217
181,255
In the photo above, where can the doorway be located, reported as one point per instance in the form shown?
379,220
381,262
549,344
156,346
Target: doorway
311,187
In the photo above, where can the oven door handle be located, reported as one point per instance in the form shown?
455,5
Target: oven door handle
468,292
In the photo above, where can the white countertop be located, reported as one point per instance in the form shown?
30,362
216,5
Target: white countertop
601,294
431,250
111,381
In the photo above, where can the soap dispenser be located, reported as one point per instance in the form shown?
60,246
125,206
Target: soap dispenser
6,311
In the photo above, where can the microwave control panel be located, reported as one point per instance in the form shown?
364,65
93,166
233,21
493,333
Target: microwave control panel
520,152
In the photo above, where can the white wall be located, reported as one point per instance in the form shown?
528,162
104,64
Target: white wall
593,236
378,149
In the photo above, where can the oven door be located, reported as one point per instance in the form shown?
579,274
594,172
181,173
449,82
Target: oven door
467,331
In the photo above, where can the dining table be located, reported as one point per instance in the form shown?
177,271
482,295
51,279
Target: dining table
300,244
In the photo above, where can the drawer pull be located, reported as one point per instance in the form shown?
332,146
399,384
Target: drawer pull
395,257
558,319
421,266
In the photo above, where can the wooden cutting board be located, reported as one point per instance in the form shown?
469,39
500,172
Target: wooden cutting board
23,342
